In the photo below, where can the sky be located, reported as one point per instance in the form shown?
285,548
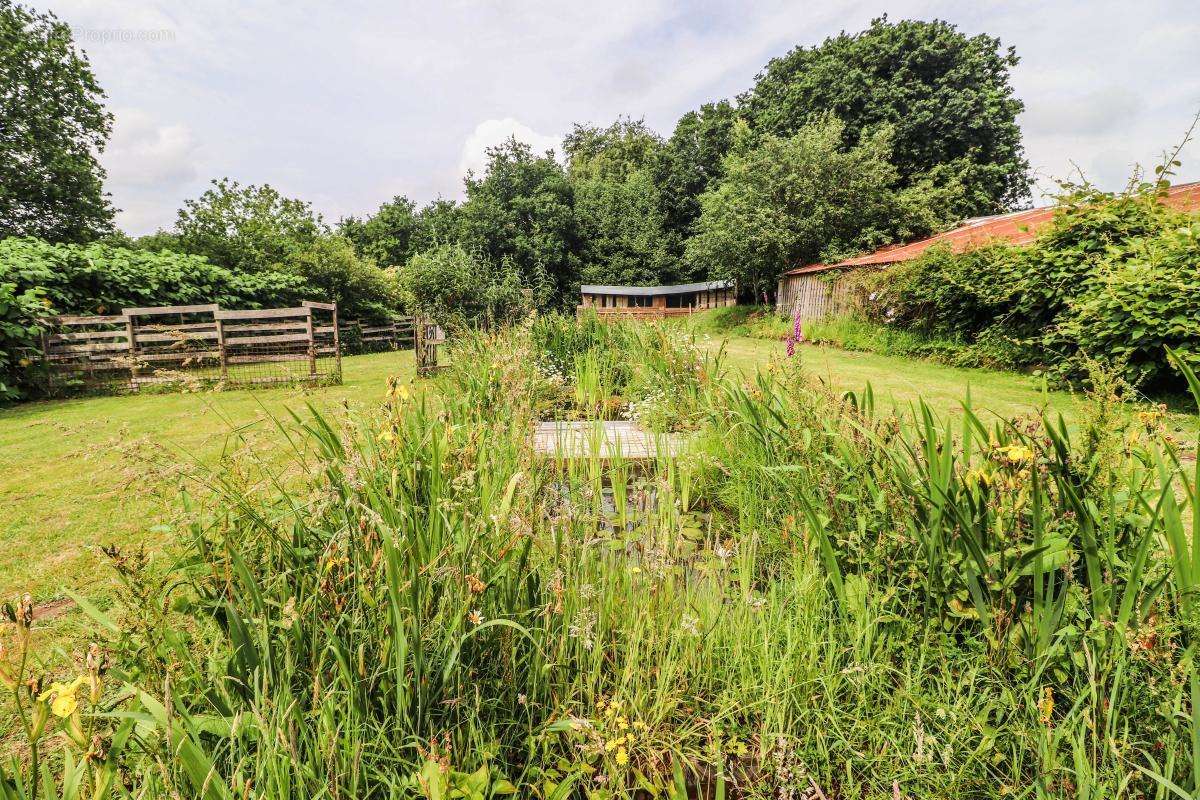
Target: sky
349,104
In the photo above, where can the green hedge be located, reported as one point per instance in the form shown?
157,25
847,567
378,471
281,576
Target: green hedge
1114,279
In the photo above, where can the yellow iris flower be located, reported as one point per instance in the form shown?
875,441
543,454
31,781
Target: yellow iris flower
64,702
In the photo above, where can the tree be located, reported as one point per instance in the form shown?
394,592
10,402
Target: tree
397,231
439,222
946,95
333,273
387,237
691,161
451,285
795,201
618,206
520,214
247,229
52,127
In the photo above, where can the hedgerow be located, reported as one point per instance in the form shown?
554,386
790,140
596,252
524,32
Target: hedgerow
1113,278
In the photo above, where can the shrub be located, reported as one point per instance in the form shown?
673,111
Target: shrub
1112,278
334,274
452,286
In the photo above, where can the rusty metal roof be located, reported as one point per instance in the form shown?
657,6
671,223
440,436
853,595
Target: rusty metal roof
1017,227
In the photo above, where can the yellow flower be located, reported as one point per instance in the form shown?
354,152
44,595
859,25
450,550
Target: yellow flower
386,436
622,757
979,476
64,702
1046,706
1015,454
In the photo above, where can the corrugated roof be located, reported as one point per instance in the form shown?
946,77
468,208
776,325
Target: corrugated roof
647,291
1017,227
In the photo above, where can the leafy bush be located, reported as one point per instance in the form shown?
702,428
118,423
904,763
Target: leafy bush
1140,303
19,336
332,273
452,286
1113,277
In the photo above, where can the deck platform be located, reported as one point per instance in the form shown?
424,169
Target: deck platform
612,438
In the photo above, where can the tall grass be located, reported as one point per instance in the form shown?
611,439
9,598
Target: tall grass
816,598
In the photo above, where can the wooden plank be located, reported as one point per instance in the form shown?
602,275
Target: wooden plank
604,439
237,341
191,326
95,347
86,336
263,313
87,320
182,355
323,306
259,327
150,311
182,336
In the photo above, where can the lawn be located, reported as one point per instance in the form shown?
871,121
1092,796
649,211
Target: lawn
97,471
83,473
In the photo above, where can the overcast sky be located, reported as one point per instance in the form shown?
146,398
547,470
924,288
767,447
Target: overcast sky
348,104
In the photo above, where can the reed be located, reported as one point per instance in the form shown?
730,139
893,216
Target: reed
818,597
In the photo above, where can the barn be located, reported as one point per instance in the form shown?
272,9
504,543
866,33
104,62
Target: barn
814,291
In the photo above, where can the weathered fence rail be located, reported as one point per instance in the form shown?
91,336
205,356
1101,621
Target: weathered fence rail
394,335
199,344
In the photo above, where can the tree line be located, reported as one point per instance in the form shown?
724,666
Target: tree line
866,138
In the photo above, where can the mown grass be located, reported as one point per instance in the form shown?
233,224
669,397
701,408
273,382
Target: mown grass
819,595
95,471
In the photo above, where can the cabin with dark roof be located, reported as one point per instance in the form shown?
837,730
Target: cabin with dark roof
815,291
650,302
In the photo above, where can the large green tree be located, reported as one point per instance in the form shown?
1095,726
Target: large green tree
520,215
618,206
797,200
691,161
398,230
246,228
946,95
52,127
388,236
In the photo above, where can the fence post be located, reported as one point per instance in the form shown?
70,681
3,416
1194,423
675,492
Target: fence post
312,345
132,343
221,347
337,344
46,362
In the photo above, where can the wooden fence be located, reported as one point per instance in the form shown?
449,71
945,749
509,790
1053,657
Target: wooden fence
636,313
814,296
372,337
193,345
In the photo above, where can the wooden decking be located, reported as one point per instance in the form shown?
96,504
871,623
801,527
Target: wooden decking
608,440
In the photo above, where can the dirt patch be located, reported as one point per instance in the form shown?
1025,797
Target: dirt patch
44,612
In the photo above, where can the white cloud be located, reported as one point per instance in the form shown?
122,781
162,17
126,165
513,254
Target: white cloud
143,153
349,107
491,132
